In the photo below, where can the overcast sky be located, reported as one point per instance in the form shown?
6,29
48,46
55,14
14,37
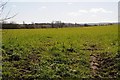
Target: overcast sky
64,0
75,11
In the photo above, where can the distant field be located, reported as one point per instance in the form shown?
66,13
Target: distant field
61,53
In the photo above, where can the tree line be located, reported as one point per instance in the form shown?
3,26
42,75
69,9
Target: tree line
54,24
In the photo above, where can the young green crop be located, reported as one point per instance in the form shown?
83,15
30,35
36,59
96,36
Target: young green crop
55,53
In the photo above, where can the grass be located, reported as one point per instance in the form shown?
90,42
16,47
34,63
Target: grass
55,53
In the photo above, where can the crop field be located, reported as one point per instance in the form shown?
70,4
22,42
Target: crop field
60,53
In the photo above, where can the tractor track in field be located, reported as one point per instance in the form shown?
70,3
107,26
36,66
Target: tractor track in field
103,67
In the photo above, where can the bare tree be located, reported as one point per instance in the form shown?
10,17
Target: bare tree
2,7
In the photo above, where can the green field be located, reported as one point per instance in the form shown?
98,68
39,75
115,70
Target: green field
60,53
